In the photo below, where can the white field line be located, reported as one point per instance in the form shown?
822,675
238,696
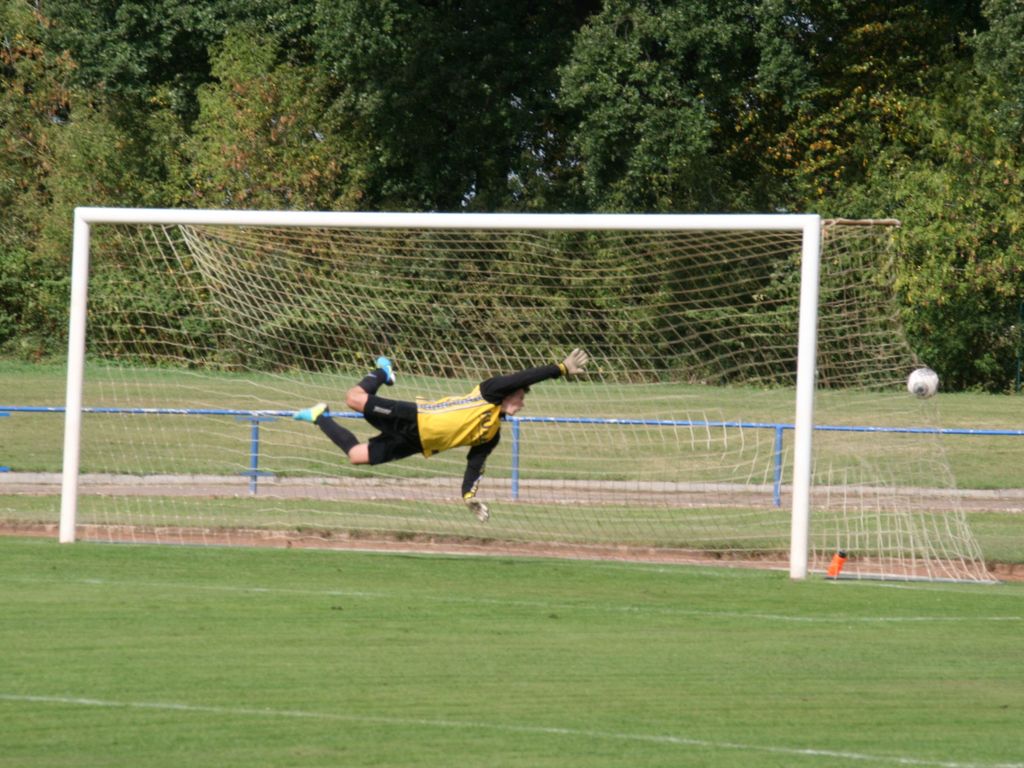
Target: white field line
538,604
950,588
680,741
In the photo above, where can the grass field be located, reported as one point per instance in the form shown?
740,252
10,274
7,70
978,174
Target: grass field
132,446
34,442
172,656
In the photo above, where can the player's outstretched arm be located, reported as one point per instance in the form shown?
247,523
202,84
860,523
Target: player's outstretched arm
496,388
475,461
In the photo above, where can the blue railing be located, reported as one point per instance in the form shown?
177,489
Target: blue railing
4,467
256,417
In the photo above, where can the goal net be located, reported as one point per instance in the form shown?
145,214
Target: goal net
678,442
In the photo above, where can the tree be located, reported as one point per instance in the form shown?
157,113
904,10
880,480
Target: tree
35,97
452,104
962,203
922,136
131,50
963,272
870,65
999,61
61,147
656,87
262,138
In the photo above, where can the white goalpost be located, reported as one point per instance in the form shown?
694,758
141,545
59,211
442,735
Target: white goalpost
722,346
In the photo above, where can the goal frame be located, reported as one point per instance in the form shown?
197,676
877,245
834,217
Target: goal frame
809,225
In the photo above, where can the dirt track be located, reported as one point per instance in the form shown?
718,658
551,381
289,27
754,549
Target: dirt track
677,495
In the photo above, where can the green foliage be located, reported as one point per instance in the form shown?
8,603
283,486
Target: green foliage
1000,61
262,139
450,104
920,136
34,102
869,66
654,86
13,278
907,109
963,208
125,49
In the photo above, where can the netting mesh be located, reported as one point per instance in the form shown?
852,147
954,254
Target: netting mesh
675,442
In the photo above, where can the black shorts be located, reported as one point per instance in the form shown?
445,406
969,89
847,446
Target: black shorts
399,429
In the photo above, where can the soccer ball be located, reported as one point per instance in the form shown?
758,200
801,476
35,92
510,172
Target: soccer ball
924,382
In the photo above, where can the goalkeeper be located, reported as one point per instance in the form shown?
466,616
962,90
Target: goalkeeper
407,428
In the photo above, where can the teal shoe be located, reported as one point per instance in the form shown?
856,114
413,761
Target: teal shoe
389,370
311,414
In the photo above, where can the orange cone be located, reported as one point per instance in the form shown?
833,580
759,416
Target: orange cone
834,568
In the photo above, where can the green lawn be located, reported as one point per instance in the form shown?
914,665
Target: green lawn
220,445
172,656
34,442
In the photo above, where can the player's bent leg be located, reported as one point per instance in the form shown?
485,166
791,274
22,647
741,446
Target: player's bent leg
360,454
390,446
340,436
384,373
356,398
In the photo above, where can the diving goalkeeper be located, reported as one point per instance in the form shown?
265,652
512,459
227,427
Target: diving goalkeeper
407,428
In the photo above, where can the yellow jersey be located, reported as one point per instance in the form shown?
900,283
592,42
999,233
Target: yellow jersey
456,421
